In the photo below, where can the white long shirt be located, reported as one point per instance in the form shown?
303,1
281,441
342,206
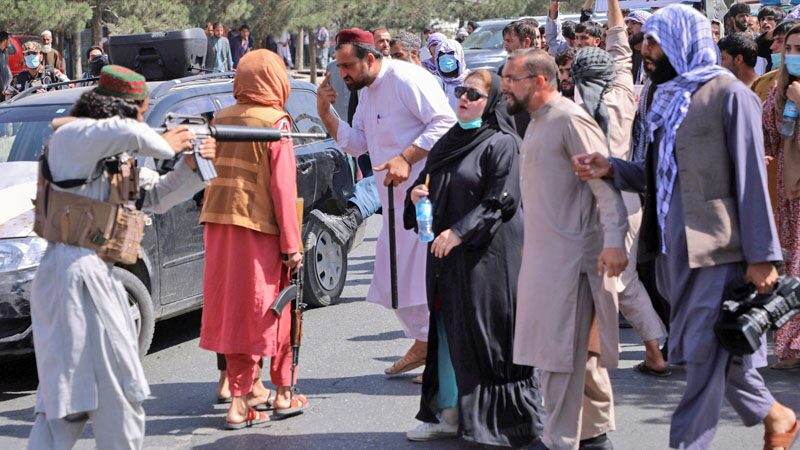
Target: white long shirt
405,105
80,313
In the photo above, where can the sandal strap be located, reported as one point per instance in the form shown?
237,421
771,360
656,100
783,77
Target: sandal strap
783,440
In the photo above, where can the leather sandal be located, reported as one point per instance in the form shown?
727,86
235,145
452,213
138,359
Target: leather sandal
298,403
253,418
410,361
781,440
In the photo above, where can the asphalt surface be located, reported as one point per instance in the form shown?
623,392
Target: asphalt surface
352,404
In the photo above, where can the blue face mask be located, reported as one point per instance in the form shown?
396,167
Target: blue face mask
792,64
448,64
32,61
471,125
776,60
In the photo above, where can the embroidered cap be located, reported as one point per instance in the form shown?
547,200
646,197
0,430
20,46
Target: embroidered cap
122,82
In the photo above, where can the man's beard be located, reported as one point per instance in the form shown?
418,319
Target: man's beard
740,26
515,105
354,84
663,71
568,92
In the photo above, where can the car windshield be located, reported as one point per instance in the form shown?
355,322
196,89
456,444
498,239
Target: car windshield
24,130
485,37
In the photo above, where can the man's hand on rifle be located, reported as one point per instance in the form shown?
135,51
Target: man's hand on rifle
293,261
180,138
208,150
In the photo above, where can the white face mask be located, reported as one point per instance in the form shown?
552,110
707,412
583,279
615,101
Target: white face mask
32,61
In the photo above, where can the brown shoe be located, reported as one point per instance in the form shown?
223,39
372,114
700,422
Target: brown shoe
414,357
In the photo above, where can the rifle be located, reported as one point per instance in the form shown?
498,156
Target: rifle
201,128
294,293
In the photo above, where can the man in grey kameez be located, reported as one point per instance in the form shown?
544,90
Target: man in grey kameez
87,354
691,223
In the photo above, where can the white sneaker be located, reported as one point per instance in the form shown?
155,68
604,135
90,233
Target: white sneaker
430,431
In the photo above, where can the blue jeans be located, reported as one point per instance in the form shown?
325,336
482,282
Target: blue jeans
365,197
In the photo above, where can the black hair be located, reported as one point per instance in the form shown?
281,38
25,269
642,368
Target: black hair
784,27
90,50
361,50
591,28
740,44
739,8
774,11
218,24
566,55
568,29
473,24
244,27
4,35
523,28
94,105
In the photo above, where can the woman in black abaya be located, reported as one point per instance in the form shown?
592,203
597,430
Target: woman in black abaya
471,387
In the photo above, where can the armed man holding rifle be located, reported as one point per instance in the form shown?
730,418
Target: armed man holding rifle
87,355
252,241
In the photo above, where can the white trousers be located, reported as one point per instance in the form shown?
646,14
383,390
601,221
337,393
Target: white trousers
414,320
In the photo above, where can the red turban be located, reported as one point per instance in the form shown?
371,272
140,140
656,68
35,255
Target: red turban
355,36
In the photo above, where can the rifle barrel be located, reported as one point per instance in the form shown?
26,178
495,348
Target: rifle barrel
236,133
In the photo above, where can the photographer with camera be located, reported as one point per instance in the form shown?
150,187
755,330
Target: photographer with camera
87,353
692,226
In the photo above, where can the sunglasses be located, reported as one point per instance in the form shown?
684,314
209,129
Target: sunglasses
473,94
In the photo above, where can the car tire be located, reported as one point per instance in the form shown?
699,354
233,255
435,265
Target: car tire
325,266
141,306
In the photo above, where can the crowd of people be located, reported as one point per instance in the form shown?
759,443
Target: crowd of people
654,162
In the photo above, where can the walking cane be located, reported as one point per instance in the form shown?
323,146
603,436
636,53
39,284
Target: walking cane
392,247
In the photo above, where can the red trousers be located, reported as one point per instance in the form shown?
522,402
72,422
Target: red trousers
243,369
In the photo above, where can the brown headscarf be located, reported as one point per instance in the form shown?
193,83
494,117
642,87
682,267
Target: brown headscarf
261,78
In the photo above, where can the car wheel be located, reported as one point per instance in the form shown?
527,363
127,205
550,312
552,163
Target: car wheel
325,266
141,307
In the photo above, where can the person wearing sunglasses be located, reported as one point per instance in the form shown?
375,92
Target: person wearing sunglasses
472,270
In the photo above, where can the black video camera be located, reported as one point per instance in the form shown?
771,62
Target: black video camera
747,315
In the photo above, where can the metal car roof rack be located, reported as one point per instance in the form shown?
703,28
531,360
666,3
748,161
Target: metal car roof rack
33,89
167,85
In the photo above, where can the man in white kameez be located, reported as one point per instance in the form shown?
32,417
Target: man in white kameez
402,112
87,353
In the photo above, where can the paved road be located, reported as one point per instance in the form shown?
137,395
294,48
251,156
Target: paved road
346,348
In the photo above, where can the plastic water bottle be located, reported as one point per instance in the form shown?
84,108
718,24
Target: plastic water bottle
789,119
425,219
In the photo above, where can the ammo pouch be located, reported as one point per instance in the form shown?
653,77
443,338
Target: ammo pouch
114,229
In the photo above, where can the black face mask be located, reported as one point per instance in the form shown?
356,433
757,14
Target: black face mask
97,63
663,71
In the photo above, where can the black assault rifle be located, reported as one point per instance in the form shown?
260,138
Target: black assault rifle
294,293
226,133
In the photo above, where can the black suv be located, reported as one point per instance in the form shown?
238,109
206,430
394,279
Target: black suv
167,280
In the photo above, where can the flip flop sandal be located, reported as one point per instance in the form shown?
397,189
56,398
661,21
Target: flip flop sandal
299,403
267,405
776,366
644,370
781,440
253,418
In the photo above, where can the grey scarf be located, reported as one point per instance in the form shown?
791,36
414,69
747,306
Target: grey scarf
593,73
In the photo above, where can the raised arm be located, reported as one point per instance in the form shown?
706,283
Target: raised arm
552,31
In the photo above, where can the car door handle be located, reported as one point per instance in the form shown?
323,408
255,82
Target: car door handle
304,167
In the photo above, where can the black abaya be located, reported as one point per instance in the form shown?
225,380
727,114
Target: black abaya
473,289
